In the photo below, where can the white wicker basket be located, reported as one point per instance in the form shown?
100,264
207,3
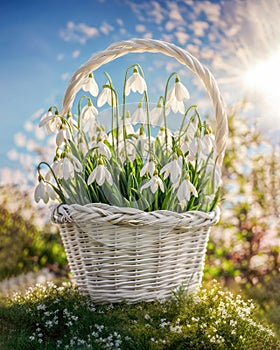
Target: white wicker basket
124,254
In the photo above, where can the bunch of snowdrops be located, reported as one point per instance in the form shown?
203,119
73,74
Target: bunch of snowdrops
139,162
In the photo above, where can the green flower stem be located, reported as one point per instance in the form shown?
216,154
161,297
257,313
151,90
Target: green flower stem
53,174
184,119
110,86
79,109
164,108
148,120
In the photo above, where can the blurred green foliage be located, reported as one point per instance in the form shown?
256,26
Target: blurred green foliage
25,247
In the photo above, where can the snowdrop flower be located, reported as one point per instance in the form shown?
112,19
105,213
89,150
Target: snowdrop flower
154,183
173,169
51,121
106,96
156,115
100,174
76,163
208,141
67,169
214,170
184,192
135,83
148,168
89,84
63,135
129,129
89,112
161,137
176,97
44,191
88,116
102,149
139,115
66,166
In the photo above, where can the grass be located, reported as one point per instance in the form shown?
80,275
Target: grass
53,317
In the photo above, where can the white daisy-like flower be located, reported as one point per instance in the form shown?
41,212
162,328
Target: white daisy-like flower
89,84
148,168
107,95
44,192
135,83
173,169
184,192
154,183
100,174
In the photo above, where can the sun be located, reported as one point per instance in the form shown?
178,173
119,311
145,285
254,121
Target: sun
264,79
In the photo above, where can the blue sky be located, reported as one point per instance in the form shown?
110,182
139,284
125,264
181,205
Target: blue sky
44,42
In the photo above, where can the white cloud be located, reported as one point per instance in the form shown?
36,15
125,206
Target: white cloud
140,28
120,22
175,12
147,11
157,12
167,37
60,57
182,37
76,53
78,32
199,28
211,10
170,25
65,76
148,35
106,28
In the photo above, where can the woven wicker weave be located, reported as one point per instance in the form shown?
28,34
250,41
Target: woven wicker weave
124,254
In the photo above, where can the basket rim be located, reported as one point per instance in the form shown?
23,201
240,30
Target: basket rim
102,212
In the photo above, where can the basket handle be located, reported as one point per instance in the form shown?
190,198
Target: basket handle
150,45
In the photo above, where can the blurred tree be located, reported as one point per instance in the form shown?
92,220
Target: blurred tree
245,246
